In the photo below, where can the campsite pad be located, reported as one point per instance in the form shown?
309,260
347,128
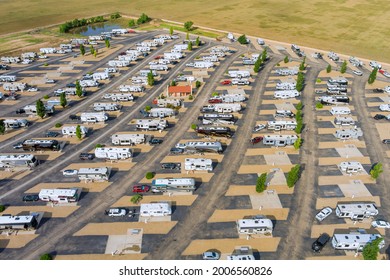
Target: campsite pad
342,144
248,169
349,151
270,151
266,200
276,177
10,133
122,165
200,177
125,244
92,187
332,118
101,257
232,215
317,230
237,190
180,158
332,202
51,212
228,245
279,158
16,241
178,200
383,130
119,228
14,175
354,188
338,160
331,180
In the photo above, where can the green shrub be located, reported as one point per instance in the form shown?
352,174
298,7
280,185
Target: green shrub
299,127
193,126
148,108
46,97
319,105
318,80
2,208
214,94
286,59
191,97
298,143
149,175
260,183
99,146
371,250
58,125
45,64
299,106
198,84
329,68
293,176
278,64
136,198
298,116
376,170
46,257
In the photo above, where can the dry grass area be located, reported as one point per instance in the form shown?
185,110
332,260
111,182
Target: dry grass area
356,27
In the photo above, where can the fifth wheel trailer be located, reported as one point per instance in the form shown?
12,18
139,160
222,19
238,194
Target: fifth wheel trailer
128,139
71,130
60,195
113,153
355,240
93,117
155,209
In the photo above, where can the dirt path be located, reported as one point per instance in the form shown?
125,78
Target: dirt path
187,230
303,201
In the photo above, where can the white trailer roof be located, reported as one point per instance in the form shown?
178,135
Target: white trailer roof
16,219
58,192
255,223
152,207
99,170
16,157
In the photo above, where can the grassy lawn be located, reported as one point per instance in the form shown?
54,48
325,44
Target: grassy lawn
355,27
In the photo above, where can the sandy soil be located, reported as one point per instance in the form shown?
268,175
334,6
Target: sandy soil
232,215
52,212
248,169
120,165
16,241
383,130
331,180
317,230
332,202
337,160
341,144
10,134
236,190
354,189
270,151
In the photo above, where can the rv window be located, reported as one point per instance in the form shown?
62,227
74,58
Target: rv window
346,245
359,206
357,237
346,237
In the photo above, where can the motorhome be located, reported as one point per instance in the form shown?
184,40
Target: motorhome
181,47
159,67
355,240
341,81
14,86
281,125
233,98
226,108
32,109
120,31
127,139
350,167
96,38
287,71
239,74
60,195
203,64
344,121
212,58
89,83
159,209
248,61
78,41
334,100
241,81
214,131
16,123
130,88
161,112
356,62
286,85
133,53
151,125
279,140
175,184
139,80
127,57
340,111
333,56
124,97
47,50
147,43
10,59
172,56
7,78
66,46
286,94
198,164
98,107
284,114
143,49
202,147
164,102
118,63
71,130
226,119
257,225
356,210
347,134
113,153
17,160
40,145
97,76
21,222
145,73
93,117
94,174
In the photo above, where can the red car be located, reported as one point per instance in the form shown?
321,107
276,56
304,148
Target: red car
256,140
158,57
215,100
141,188
226,82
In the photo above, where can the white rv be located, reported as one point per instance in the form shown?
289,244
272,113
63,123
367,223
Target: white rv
175,184
25,222
100,76
17,160
350,167
120,31
10,59
155,209
94,174
255,226
239,74
344,121
346,134
340,111
198,164
128,139
131,88
355,240
181,47
203,64
113,153
118,63
145,73
161,112
286,94
158,67
226,108
164,102
106,106
286,85
287,71
14,86
47,50
151,125
7,78
357,210
127,57
201,147
279,140
32,109
78,41
60,195
15,123
71,130
281,125
173,56
119,96
212,58
93,117
133,52
143,49
240,81
89,83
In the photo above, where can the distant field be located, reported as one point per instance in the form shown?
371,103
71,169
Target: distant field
357,27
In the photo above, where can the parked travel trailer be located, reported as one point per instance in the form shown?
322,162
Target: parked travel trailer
120,31
139,80
119,96
127,57
346,134
25,222
66,46
281,125
226,108
143,49
10,59
113,153
340,111
100,76
14,86
355,240
356,62
94,174
130,88
175,184
203,64
17,160
217,118
334,100
212,58
78,41
71,130
106,106
284,114
7,78
32,109
341,81
16,123
286,86
47,50
173,56
145,73
247,61
161,112
240,81
286,94
255,226
214,131
60,195
232,98
164,102
160,209
239,74
344,121
40,145
333,56
351,167
89,83
287,71
151,125
118,63
93,117
201,147
198,164
279,140
158,67
128,139
356,210
133,53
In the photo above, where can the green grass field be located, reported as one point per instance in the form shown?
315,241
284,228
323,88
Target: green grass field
356,27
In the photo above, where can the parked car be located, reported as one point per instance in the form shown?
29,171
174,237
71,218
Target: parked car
357,72
155,141
384,73
386,141
50,81
256,140
30,197
74,117
258,127
380,224
18,145
176,151
116,212
69,172
51,134
320,242
210,255
226,82
324,213
170,165
42,56
379,90
375,64
379,117
20,111
141,188
214,100
32,89
84,156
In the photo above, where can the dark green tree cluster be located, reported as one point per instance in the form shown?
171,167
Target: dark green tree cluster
197,42
143,19
286,59
2,127
371,250
242,39
300,81
329,68
298,143
79,135
376,170
115,15
131,23
149,175
67,26
293,175
107,42
189,46
343,67
260,61
46,257
63,101
188,25
260,183
150,78
79,89
299,120
372,77
302,66
82,49
41,110
198,84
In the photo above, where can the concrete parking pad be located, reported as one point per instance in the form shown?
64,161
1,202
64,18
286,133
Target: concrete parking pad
331,180
276,177
16,174
11,133
331,118
270,151
16,241
279,158
332,202
342,144
101,257
238,190
120,165
178,200
199,246
232,215
258,169
90,187
354,188
199,177
317,230
338,160
49,212
181,158
267,200
349,151
131,243
383,130
121,228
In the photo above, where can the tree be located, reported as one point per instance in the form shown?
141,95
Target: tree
46,257
258,65
115,16
260,183
197,42
2,127
299,127
136,198
2,208
79,89
329,68
95,52
302,66
298,115
299,106
242,39
189,47
79,135
108,45
99,146
193,126
372,77
41,111
63,101
173,83
293,175
371,250
150,79
286,59
343,67
149,175
319,105
58,125
131,23
300,81
92,50
264,55
143,19
148,108
188,25
376,170
187,36
298,143
82,49
171,30
198,84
